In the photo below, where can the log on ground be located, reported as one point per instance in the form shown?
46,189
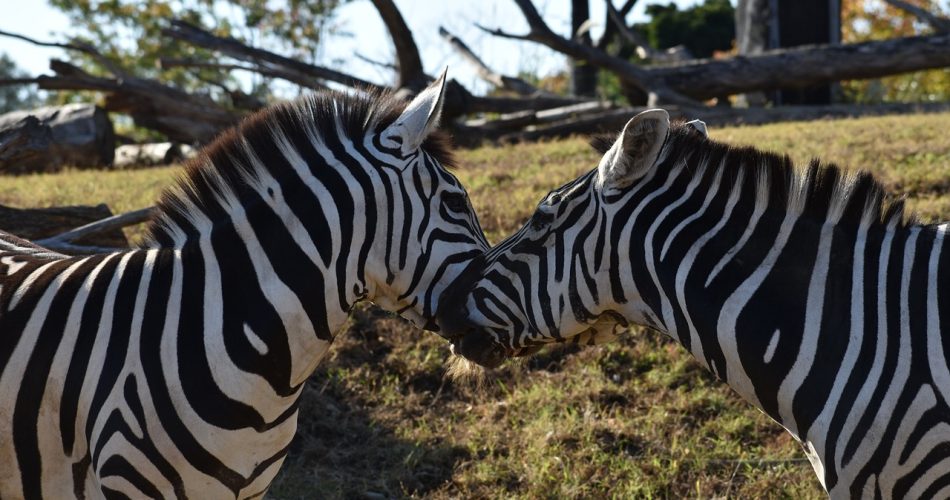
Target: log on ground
37,223
49,138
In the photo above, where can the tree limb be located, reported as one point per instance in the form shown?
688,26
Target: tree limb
374,62
513,84
617,20
309,73
282,73
410,73
610,29
939,24
84,48
539,32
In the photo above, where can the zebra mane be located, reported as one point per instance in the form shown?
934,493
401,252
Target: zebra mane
822,190
237,159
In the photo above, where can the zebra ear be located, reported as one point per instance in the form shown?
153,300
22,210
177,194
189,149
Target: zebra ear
636,150
699,126
419,119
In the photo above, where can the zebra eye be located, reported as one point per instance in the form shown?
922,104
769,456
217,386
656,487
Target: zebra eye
542,220
455,202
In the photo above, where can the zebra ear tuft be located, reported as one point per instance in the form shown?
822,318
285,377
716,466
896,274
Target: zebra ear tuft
420,117
636,149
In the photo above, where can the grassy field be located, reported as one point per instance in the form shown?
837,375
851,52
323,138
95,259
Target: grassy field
637,418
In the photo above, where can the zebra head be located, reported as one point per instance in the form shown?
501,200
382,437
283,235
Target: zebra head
428,232
557,278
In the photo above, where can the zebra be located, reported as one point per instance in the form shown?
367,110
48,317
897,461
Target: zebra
808,290
175,369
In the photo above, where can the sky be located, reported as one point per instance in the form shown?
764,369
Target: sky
35,18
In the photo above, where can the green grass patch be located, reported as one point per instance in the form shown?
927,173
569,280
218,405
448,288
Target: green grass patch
636,418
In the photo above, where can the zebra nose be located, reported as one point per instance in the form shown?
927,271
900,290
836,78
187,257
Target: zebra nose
480,348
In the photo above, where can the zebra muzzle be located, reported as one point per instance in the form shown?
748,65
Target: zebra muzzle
480,348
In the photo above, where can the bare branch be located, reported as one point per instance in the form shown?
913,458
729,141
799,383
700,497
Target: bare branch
270,61
75,46
939,24
610,29
503,34
18,81
617,20
516,85
282,73
374,62
409,62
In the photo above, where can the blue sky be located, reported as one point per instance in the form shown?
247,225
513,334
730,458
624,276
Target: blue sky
37,19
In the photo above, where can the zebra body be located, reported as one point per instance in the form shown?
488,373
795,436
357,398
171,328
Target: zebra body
175,370
804,290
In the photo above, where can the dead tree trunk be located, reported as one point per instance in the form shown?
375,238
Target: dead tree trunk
583,75
50,138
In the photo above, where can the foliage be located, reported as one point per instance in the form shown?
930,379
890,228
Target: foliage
129,32
865,20
13,97
703,28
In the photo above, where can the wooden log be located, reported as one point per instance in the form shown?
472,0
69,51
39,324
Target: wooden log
49,138
807,65
181,116
511,121
146,155
38,223
612,121
684,84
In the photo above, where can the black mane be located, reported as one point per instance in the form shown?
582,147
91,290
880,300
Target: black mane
219,166
821,184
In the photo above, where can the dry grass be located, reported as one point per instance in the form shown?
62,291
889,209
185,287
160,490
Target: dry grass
637,418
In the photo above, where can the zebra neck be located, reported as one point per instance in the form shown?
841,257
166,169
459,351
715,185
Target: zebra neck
265,284
769,304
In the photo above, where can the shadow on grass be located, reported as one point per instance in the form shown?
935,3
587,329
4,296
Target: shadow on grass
352,411
340,451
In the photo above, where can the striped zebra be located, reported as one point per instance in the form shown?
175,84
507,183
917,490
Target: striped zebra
809,292
174,370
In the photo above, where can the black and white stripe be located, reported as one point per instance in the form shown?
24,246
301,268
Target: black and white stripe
174,370
807,291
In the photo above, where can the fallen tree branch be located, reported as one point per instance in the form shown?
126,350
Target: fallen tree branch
612,121
183,117
805,66
65,242
511,121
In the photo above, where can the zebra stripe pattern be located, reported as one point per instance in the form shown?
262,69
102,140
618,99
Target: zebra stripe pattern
174,370
807,291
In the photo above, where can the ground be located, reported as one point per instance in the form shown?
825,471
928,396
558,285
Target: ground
636,418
